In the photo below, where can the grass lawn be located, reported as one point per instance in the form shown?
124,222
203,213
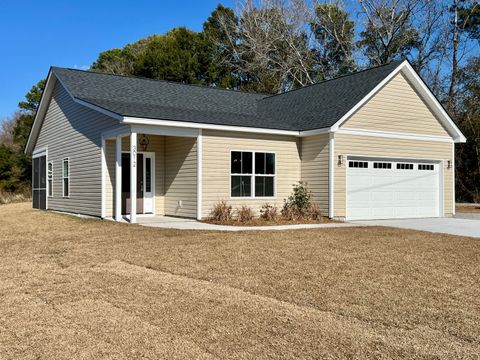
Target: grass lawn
75,288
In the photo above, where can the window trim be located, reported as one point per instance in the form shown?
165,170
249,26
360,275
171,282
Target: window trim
65,177
253,175
49,178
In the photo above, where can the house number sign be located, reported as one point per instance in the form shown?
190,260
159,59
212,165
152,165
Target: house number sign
134,152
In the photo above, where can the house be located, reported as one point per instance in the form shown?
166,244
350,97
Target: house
373,144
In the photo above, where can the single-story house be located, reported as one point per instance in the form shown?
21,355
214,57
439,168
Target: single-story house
373,144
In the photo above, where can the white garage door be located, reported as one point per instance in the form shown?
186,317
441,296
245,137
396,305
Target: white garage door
383,189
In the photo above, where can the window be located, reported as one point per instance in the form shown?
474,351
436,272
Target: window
50,179
425,167
404,166
358,164
252,174
382,165
66,177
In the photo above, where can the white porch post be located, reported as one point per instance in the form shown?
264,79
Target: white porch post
118,178
133,177
199,174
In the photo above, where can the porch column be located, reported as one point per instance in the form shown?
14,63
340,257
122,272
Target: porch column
118,178
199,174
133,177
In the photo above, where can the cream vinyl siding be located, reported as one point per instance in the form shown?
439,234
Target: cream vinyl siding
314,168
395,148
74,131
157,145
181,176
397,107
217,146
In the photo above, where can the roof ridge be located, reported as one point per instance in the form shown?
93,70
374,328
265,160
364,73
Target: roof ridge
336,78
163,81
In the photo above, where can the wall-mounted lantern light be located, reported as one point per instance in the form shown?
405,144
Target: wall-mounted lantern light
144,141
340,160
449,164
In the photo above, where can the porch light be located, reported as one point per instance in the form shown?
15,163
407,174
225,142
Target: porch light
449,164
340,160
144,141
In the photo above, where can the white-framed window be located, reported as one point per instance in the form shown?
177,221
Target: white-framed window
50,179
66,177
252,174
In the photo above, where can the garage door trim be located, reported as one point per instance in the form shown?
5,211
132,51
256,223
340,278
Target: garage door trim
439,162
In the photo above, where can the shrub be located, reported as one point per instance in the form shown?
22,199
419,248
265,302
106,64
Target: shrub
221,212
313,211
244,214
297,204
269,212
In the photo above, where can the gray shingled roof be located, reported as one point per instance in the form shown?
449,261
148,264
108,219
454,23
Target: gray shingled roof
312,107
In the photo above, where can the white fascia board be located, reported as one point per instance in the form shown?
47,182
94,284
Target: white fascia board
41,111
426,94
431,100
165,130
195,125
393,135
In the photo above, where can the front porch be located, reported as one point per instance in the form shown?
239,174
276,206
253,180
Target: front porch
151,171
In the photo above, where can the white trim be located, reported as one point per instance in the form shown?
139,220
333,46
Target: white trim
314,132
103,168
133,177
420,86
65,177
118,179
196,125
151,156
331,176
253,175
393,135
441,184
165,130
40,152
199,174
453,180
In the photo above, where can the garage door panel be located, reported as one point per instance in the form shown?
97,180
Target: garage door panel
391,191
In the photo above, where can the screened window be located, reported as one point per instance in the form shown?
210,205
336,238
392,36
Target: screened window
252,174
66,177
50,179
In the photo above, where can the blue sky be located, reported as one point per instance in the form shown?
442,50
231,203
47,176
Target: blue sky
37,34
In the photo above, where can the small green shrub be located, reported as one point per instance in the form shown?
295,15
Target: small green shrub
245,214
221,212
297,204
269,212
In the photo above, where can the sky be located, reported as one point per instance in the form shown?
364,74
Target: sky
35,35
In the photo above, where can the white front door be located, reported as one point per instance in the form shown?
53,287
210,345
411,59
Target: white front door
388,189
148,183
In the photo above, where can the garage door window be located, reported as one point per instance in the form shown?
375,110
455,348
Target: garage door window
401,166
358,164
382,165
425,167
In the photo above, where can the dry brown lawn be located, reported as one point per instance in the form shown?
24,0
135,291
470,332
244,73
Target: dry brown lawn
74,288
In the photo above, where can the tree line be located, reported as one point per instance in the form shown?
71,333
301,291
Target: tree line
272,46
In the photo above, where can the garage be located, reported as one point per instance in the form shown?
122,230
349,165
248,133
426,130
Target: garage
392,188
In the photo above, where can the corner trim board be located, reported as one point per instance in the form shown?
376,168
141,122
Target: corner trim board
199,174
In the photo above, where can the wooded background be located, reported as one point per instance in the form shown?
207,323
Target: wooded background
272,46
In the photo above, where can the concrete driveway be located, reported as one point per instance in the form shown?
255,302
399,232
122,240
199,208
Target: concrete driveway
453,226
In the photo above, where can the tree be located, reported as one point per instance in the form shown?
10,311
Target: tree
389,33
468,118
32,98
469,20
334,33
221,36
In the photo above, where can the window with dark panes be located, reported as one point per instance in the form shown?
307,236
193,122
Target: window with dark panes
252,174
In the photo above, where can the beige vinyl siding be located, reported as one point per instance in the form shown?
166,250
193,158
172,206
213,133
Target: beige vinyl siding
314,168
397,107
386,147
156,144
181,176
74,131
217,146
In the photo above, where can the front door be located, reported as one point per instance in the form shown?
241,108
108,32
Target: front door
126,184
